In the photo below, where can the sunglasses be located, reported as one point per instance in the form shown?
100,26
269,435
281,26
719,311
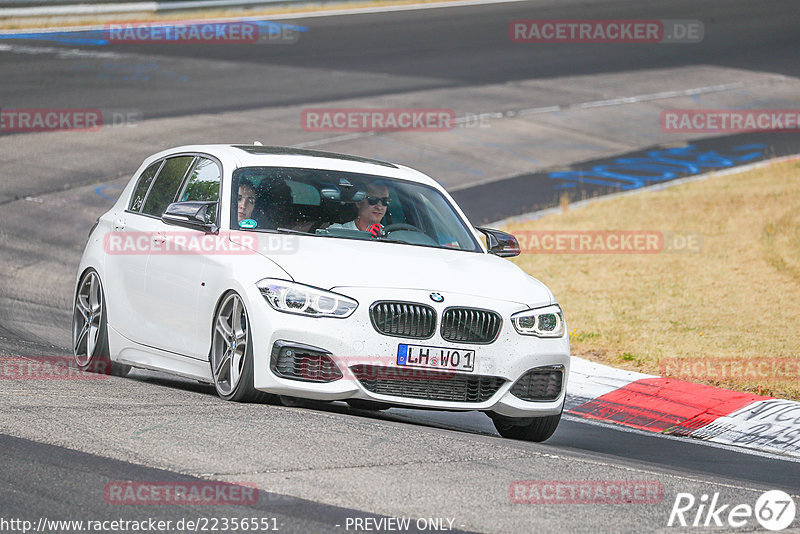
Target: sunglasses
374,200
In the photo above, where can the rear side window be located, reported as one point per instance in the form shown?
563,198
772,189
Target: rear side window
144,184
165,188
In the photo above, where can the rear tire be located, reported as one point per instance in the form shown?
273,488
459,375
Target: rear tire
90,329
231,355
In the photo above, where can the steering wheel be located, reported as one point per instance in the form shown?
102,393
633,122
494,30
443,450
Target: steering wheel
401,226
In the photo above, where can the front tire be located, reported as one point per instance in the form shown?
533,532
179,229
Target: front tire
90,328
232,352
370,405
526,428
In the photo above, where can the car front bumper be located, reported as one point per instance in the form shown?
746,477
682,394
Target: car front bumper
353,341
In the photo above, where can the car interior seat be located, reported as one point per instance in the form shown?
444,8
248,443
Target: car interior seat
274,205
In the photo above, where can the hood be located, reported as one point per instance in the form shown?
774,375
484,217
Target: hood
333,262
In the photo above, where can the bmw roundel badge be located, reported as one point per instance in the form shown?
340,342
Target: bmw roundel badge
437,297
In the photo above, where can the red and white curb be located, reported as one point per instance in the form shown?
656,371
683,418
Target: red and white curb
674,407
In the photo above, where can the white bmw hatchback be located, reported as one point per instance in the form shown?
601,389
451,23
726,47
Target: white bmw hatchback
312,275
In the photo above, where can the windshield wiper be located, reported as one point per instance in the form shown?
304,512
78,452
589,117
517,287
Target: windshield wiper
328,234
290,231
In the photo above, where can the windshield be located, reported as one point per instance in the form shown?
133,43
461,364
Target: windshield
346,205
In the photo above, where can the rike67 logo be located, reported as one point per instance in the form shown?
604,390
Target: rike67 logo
774,510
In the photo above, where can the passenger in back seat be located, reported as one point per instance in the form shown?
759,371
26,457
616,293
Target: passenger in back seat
274,205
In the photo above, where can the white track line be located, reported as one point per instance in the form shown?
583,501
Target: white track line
61,53
298,15
618,101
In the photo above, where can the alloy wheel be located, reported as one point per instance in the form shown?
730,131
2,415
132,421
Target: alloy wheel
229,344
86,320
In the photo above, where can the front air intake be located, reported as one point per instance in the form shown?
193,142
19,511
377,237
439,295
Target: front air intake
303,362
540,384
427,384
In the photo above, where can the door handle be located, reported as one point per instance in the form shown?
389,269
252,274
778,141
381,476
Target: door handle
118,224
159,238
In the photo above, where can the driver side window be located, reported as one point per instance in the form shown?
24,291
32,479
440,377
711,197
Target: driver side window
165,188
203,185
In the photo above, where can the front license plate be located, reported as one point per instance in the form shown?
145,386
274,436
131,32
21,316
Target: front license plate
435,357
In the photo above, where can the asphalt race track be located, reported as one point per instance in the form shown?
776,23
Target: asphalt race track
540,110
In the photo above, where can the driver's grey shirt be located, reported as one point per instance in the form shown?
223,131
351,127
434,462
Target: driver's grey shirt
346,226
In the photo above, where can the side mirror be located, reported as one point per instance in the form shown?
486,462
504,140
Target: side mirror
193,215
500,243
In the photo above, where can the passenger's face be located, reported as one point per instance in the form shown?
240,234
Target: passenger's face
373,214
247,201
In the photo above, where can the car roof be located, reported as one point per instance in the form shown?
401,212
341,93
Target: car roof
280,156
289,151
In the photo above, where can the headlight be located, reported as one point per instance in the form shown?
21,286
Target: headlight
300,299
541,322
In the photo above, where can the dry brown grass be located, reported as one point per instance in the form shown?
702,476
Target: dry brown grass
738,298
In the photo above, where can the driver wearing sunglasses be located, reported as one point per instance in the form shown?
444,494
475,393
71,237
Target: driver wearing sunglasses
371,210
